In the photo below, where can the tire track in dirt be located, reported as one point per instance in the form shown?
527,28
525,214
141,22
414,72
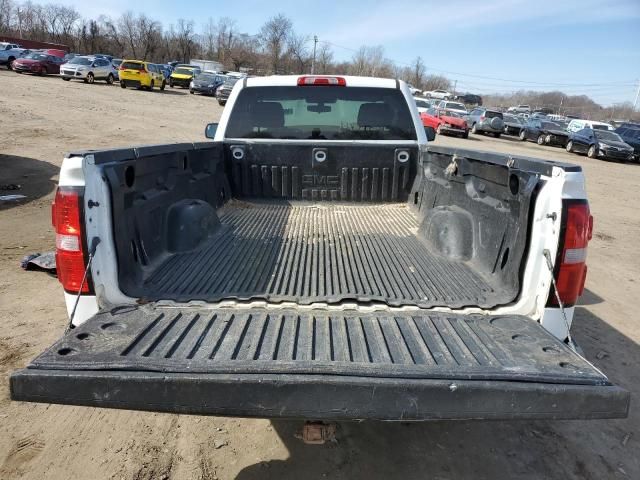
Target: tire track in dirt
25,450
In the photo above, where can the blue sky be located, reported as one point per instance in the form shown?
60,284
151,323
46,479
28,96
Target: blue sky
579,46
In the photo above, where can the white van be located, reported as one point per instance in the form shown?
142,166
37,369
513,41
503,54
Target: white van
576,125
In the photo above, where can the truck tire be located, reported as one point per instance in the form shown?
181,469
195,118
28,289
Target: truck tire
465,134
497,134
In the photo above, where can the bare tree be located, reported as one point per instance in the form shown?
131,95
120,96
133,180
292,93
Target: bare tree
6,12
274,35
299,51
243,52
225,36
127,31
324,59
418,71
370,61
209,36
436,82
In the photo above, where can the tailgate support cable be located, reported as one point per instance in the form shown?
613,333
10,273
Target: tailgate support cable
94,244
547,255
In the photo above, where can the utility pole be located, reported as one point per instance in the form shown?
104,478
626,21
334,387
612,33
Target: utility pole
313,62
455,84
635,102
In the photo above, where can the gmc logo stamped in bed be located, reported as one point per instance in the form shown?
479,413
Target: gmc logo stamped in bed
320,180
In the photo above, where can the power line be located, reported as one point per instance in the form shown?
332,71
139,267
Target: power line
526,82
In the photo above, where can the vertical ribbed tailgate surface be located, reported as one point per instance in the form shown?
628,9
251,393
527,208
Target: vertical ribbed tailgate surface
417,345
320,253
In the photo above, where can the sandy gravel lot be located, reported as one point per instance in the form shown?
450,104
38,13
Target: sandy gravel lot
43,118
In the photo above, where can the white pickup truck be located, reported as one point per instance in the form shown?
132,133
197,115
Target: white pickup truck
319,259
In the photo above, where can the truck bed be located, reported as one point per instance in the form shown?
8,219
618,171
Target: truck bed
305,252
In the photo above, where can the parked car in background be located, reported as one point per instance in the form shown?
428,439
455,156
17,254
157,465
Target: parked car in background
631,136
166,71
599,144
115,63
224,90
141,75
445,122
456,107
520,109
205,83
439,94
39,63
9,52
544,132
469,99
182,76
485,120
423,104
578,124
513,124
55,52
414,90
103,55
88,69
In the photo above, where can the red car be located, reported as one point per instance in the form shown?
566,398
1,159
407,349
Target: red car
39,63
445,122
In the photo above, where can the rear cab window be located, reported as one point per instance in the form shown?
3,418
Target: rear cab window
321,113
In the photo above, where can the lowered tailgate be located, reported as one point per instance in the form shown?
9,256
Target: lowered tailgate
319,365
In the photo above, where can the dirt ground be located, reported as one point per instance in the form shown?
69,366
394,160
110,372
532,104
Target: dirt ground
43,118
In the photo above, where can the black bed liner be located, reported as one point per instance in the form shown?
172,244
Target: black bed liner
319,364
305,253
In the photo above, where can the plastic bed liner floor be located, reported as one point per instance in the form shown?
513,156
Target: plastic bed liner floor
319,364
307,253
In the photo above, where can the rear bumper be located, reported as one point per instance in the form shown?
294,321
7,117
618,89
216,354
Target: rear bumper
322,397
131,83
453,130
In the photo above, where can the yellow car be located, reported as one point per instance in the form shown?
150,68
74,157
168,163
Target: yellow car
140,74
182,76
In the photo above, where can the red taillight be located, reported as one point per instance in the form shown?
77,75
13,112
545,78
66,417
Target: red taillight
70,259
121,67
332,81
481,118
571,266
